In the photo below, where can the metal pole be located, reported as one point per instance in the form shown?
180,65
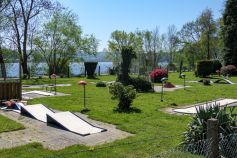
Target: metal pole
161,99
84,96
20,79
184,82
55,91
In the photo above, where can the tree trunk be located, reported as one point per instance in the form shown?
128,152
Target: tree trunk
3,67
24,65
208,46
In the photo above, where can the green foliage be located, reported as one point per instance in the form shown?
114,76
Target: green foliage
197,129
60,39
228,70
100,84
112,71
229,31
172,67
125,95
90,69
128,54
141,84
216,65
204,68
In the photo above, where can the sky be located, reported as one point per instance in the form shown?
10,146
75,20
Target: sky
102,17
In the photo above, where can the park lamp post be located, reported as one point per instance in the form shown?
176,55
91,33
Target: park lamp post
83,83
183,76
162,87
54,76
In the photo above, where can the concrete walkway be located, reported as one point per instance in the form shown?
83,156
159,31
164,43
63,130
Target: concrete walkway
26,95
158,88
55,138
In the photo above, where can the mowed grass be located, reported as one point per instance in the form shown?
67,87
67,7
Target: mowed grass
154,130
7,125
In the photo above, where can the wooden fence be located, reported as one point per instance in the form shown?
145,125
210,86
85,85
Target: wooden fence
10,90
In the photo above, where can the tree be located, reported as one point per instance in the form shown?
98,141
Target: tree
172,41
118,40
3,5
128,54
22,15
229,32
208,28
152,46
61,39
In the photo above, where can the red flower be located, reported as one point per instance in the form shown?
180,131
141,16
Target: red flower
158,73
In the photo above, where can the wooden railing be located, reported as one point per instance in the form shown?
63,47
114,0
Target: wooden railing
10,90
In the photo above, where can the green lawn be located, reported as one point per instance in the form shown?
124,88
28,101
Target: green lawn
8,125
155,131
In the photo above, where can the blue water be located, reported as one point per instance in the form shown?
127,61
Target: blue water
75,68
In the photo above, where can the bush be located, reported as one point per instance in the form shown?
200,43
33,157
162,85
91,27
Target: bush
204,68
140,84
112,71
127,54
125,95
90,69
228,70
216,65
206,82
157,74
100,84
197,129
171,67
169,85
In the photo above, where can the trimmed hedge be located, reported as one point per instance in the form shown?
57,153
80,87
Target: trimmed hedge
216,65
207,67
90,69
140,84
204,68
100,84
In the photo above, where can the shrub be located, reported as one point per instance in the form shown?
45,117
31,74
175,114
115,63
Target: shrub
128,54
100,84
169,85
125,95
216,65
206,82
197,129
204,68
157,74
171,67
90,69
140,84
228,70
112,71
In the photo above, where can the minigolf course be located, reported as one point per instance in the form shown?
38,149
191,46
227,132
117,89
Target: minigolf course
66,120
193,109
37,111
73,123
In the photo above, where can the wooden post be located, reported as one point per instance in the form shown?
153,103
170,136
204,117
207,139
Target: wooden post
212,135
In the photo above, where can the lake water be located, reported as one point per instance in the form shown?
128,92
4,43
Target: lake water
75,68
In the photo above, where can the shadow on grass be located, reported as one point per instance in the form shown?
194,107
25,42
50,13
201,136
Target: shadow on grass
85,110
128,111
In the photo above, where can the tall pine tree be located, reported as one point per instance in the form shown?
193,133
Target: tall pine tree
230,32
